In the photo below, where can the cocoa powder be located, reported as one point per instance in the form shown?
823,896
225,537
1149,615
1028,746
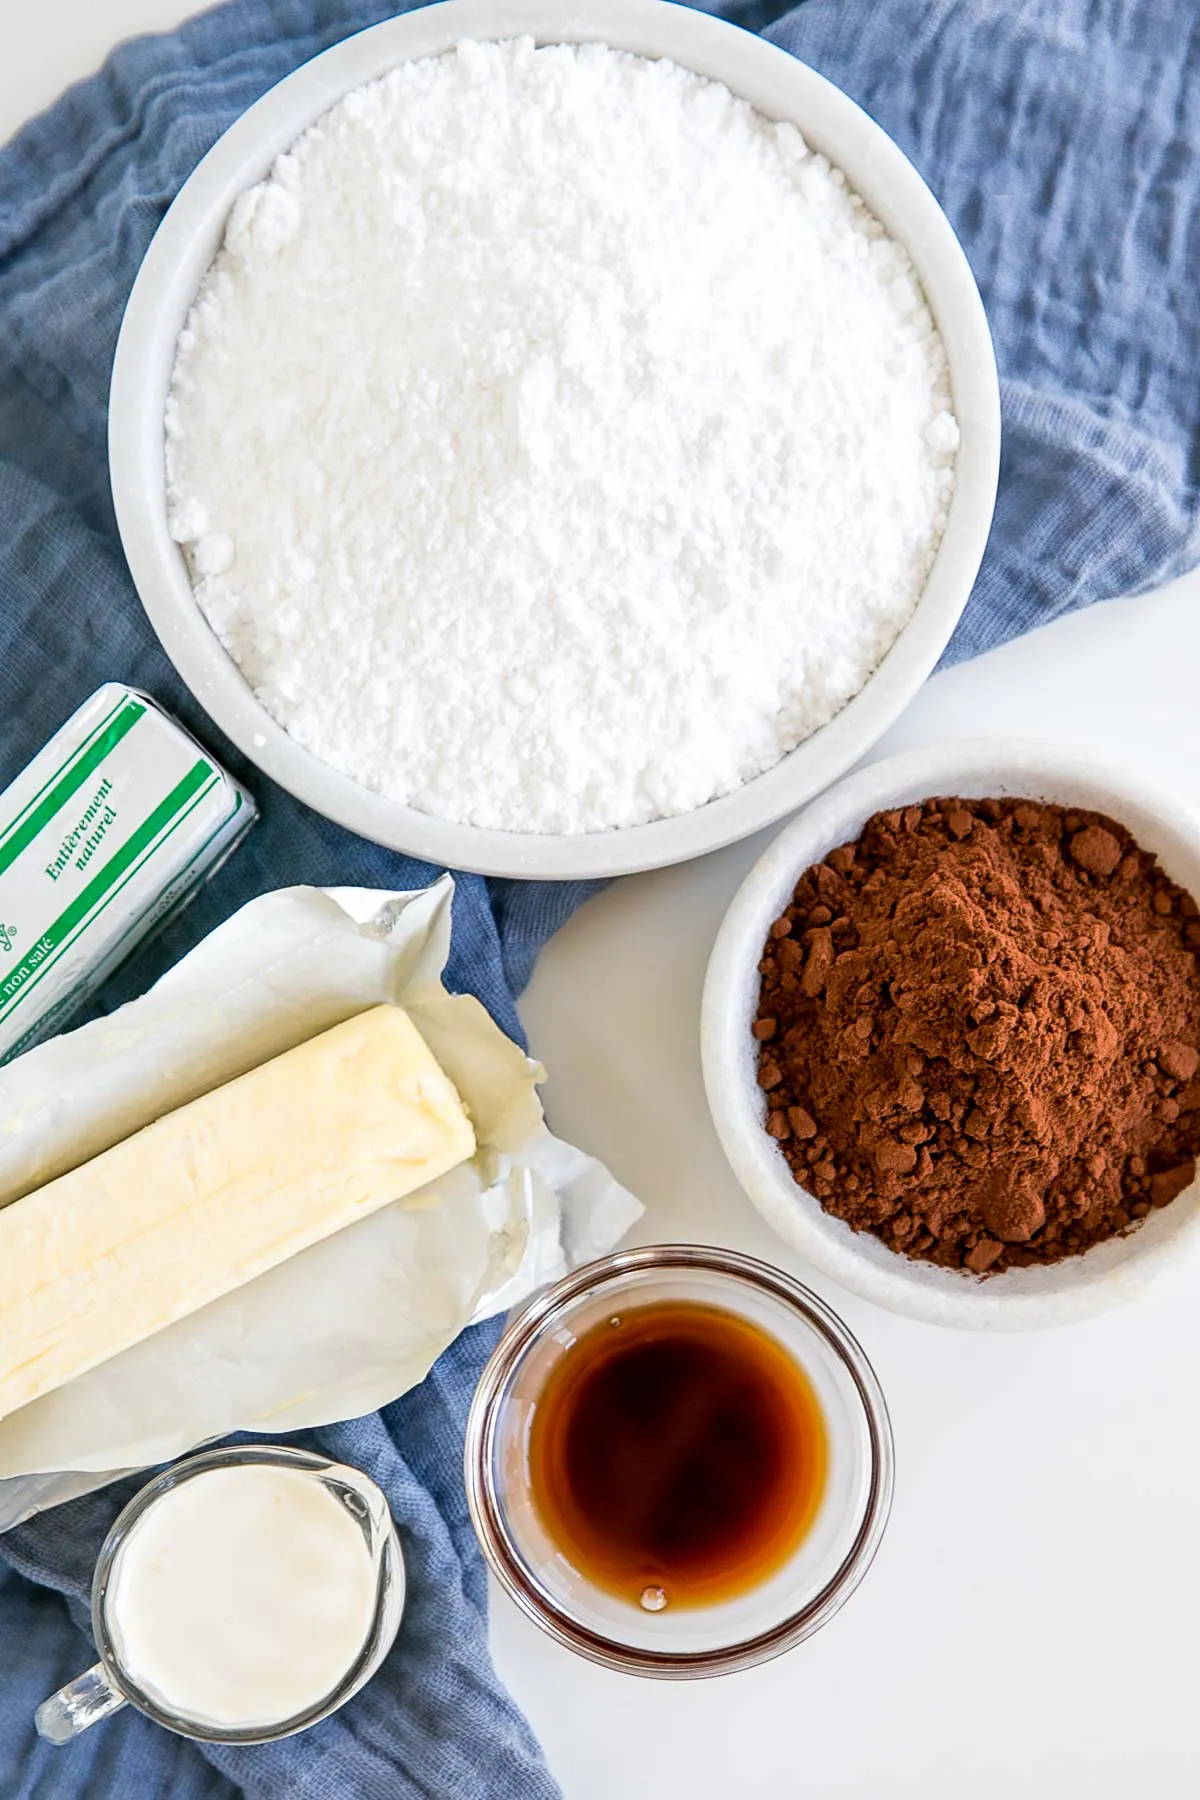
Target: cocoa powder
979,1030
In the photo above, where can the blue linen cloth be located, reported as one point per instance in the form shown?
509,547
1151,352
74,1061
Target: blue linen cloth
1062,138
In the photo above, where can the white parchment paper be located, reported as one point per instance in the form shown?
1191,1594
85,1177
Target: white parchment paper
352,1322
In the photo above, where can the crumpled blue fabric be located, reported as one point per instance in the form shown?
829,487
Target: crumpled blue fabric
1062,137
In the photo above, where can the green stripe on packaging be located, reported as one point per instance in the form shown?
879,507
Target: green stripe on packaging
74,779
37,1029
80,749
52,940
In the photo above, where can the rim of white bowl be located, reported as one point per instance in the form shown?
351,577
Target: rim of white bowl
1079,1287
183,247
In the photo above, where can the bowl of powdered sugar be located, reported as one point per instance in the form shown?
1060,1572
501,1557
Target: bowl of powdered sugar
554,443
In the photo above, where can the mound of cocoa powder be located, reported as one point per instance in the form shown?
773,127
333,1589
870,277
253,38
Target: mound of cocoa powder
980,1032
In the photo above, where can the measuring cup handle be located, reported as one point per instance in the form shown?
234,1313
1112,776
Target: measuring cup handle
90,1697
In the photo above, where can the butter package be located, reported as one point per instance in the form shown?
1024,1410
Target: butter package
111,828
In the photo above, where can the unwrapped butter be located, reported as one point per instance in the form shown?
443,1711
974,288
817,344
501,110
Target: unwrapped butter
217,1192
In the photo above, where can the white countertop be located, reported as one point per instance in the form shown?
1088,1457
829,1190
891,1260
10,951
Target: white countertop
1028,1625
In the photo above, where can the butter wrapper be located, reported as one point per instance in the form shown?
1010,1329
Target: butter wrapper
111,829
352,1322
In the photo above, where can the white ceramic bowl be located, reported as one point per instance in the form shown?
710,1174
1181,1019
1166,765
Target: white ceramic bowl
188,238
1103,1277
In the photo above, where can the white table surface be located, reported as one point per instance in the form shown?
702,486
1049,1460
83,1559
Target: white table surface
1028,1626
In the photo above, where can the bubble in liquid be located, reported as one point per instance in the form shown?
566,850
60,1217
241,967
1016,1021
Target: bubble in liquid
652,1599
616,1319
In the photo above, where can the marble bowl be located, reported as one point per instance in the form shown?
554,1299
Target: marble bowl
1105,1276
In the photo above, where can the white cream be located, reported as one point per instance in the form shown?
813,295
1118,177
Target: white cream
243,1596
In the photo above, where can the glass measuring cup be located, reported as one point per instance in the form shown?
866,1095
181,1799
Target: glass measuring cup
110,1685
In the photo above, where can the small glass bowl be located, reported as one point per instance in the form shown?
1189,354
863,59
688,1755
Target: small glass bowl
784,1608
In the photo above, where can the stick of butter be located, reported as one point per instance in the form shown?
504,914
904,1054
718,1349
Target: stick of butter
217,1192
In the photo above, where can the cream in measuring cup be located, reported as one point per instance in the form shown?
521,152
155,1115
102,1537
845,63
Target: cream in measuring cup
241,1597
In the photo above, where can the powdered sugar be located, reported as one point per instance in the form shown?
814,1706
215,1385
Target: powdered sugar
555,442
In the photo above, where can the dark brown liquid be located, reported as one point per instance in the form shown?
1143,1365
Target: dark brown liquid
679,1449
